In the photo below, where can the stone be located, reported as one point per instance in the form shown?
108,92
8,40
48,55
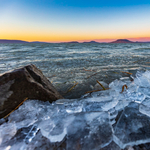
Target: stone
26,82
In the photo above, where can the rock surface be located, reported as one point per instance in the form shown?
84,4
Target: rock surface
27,82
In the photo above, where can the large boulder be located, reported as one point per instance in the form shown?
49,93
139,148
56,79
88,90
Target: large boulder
24,83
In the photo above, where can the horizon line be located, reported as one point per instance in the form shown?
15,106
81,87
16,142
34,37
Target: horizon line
138,39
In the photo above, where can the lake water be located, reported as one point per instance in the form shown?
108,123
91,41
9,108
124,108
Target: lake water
66,65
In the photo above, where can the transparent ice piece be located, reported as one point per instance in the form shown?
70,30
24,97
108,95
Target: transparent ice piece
132,128
75,107
135,96
7,131
95,131
27,114
55,130
109,105
144,110
144,91
117,85
143,79
145,107
32,133
122,103
111,146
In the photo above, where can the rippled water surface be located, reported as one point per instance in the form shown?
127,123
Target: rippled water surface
67,64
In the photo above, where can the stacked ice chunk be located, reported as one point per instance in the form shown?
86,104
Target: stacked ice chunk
111,119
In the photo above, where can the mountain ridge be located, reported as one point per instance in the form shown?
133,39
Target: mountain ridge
12,41
122,41
3,41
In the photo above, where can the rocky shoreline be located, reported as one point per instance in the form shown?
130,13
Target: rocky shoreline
24,83
113,119
29,82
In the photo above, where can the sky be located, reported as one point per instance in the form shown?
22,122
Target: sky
75,20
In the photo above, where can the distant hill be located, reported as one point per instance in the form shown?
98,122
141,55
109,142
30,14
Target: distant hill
19,41
91,42
142,42
36,42
122,41
72,42
13,41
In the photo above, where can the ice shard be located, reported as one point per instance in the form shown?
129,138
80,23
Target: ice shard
132,127
89,131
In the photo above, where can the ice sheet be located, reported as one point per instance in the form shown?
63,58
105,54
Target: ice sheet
113,118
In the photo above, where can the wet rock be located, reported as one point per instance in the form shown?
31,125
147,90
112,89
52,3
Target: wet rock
27,82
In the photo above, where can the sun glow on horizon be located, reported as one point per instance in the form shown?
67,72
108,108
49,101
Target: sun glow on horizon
58,22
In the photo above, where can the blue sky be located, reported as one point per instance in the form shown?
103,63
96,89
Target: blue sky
57,20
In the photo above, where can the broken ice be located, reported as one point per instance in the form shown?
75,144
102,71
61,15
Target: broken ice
132,128
111,119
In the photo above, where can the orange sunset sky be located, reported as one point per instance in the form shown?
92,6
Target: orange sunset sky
58,21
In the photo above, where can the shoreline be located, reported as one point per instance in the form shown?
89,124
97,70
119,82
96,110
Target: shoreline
78,89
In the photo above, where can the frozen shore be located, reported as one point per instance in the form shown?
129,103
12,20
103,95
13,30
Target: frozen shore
117,118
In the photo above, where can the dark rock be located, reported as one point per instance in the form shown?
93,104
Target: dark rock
27,82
